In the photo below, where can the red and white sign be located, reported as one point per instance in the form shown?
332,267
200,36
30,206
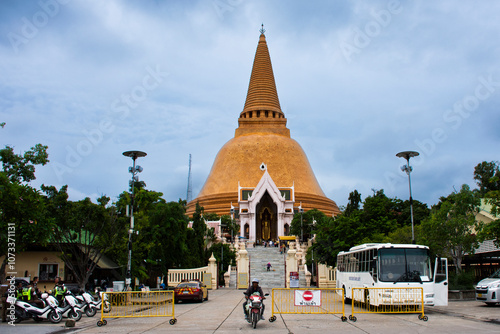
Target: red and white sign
307,297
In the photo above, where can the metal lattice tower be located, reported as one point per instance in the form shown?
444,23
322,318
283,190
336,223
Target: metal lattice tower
189,195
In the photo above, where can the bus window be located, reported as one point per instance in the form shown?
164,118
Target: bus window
405,265
392,264
419,264
441,271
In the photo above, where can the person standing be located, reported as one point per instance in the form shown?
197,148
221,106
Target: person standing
269,266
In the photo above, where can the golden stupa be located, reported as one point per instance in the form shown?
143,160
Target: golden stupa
262,149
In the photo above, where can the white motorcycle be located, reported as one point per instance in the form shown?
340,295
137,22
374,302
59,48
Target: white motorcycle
71,309
25,310
87,303
103,301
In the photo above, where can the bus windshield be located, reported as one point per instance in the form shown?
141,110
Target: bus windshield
404,265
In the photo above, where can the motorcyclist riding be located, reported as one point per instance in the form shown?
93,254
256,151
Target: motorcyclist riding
252,289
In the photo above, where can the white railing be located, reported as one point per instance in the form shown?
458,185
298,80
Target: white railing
308,276
227,277
175,276
327,276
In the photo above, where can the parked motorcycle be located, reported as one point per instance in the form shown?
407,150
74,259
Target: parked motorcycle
103,301
254,308
87,303
25,310
71,308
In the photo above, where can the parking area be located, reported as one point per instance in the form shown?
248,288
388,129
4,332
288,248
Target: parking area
223,313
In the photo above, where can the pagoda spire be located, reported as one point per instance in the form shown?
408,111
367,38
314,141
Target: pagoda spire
262,96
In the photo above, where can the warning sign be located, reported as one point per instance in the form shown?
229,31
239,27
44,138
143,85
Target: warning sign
307,297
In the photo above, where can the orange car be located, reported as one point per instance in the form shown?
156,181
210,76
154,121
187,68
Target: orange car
192,290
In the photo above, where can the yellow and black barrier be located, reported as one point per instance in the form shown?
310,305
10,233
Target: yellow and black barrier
135,304
388,300
307,301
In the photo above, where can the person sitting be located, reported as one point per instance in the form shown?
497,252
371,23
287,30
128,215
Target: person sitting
254,287
29,296
60,290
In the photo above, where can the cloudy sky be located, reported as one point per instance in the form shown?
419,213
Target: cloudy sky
358,81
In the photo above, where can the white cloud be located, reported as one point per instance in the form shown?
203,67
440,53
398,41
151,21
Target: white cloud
351,117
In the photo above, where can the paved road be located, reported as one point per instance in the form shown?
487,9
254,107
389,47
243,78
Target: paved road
223,314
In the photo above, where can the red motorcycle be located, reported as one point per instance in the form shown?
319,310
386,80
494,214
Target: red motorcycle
254,308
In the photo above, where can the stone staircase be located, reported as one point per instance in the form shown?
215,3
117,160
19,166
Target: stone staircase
259,257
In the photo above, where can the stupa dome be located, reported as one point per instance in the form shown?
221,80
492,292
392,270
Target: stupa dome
261,138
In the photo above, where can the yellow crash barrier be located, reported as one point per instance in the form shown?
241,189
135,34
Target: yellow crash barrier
388,300
132,304
307,301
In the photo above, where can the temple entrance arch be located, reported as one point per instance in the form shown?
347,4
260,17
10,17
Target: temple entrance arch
266,220
246,232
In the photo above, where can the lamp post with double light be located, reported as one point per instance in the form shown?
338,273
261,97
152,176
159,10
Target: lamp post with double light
134,170
407,168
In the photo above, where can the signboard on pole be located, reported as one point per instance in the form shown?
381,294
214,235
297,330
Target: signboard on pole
294,279
307,297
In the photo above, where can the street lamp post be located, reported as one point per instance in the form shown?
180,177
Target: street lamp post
301,229
407,168
134,170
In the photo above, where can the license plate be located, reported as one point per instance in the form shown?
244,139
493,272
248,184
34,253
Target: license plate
185,292
479,295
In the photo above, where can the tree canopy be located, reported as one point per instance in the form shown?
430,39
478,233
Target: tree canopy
21,206
452,227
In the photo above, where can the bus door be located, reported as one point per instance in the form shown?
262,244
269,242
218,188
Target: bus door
441,282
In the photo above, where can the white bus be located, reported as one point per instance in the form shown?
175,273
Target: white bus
393,265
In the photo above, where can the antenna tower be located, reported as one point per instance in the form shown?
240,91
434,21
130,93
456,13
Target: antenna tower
189,194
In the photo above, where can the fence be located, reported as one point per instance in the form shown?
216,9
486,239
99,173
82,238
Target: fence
175,276
132,304
388,300
307,301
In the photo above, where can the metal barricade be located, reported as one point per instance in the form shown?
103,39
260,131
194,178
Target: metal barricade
131,304
307,301
388,300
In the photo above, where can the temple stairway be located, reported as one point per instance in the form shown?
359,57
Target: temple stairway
259,257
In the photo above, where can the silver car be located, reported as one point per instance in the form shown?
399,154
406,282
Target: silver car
488,290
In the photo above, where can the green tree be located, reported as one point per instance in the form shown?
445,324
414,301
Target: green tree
492,230
303,224
143,264
451,228
230,227
197,238
334,235
224,256
169,231
83,231
22,215
353,204
379,216
487,176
